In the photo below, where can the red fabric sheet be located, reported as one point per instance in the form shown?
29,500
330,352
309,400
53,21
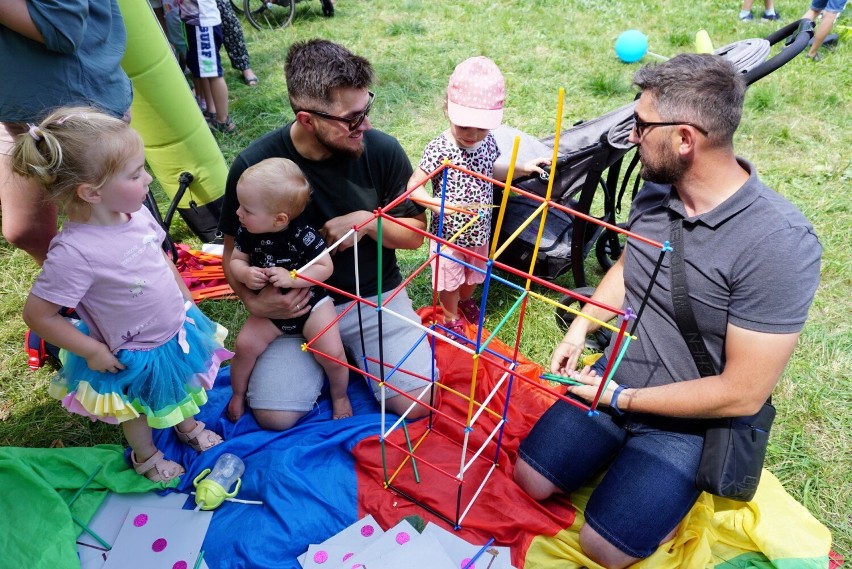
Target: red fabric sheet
502,510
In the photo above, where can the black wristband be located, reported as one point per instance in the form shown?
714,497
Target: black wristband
613,402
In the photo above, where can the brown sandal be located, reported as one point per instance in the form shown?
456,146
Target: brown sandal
157,468
199,438
227,127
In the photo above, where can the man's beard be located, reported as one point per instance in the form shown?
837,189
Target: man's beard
338,149
667,168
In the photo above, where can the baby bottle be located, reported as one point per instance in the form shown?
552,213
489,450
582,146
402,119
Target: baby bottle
212,491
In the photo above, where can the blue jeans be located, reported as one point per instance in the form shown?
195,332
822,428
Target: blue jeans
651,461
835,6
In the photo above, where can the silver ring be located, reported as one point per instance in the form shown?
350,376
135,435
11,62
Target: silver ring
298,307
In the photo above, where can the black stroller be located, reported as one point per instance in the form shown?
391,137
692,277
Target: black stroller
591,155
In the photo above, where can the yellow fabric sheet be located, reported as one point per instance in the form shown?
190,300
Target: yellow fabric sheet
773,530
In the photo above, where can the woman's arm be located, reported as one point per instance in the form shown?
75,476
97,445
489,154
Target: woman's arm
15,16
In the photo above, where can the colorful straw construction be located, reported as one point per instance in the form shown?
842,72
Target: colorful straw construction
399,449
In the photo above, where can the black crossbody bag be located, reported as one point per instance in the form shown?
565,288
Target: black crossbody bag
734,447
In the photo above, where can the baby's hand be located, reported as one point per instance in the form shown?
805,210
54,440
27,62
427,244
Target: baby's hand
256,278
103,360
280,277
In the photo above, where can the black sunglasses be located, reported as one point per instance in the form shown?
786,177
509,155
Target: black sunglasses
352,122
640,126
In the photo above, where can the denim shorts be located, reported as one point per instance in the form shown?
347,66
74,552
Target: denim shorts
650,462
835,6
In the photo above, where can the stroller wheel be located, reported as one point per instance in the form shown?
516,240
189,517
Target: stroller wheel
269,14
609,246
596,341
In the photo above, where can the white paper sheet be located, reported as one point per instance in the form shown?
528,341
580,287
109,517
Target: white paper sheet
154,538
338,548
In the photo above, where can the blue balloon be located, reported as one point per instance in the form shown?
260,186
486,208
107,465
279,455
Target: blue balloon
631,46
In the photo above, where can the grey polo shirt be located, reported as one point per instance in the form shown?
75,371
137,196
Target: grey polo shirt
753,261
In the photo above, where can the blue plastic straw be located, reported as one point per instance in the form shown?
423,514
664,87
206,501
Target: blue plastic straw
478,554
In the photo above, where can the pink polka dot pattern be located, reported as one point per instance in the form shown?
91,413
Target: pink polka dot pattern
367,530
403,537
477,83
320,557
476,94
159,545
180,565
140,520
464,563
347,556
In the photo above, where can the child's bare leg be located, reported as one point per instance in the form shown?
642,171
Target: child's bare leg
254,337
140,438
466,291
209,97
219,92
329,344
450,303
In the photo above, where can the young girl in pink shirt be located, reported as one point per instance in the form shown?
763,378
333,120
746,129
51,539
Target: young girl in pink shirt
143,354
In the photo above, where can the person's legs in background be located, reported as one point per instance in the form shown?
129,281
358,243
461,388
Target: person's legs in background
769,12
235,43
830,11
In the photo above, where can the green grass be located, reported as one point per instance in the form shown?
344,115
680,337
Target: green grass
795,130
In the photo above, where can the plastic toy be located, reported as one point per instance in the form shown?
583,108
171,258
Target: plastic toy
631,46
702,42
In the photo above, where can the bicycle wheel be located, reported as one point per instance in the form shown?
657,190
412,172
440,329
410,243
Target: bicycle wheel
596,341
269,14
237,5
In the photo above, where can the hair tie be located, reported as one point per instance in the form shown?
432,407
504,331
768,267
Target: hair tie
34,131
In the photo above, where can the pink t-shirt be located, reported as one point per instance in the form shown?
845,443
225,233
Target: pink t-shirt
118,279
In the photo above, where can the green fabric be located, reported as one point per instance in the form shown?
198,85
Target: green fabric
753,560
35,487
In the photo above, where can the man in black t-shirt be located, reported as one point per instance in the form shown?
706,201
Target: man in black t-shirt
353,170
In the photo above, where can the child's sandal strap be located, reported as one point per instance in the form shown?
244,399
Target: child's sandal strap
199,438
164,470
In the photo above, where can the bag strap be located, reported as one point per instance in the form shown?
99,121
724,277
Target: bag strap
683,314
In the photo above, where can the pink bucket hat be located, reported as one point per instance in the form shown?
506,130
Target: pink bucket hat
476,93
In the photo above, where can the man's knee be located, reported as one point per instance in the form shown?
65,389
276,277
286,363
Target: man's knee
602,551
276,420
400,405
534,484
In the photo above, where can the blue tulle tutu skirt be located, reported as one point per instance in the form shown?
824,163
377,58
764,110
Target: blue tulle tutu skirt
166,384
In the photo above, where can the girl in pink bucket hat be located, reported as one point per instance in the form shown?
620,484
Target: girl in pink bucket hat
474,107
